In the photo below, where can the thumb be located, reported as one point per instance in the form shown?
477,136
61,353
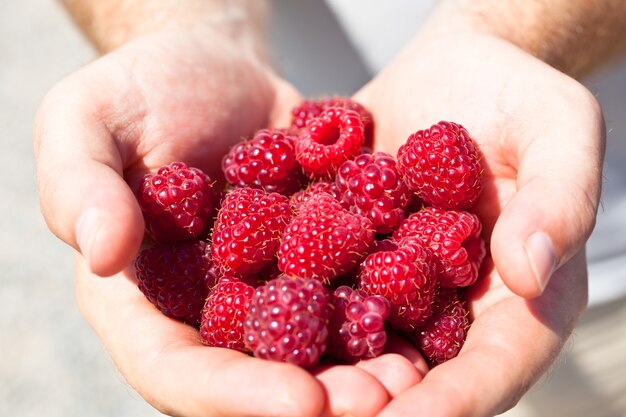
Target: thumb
553,210
83,196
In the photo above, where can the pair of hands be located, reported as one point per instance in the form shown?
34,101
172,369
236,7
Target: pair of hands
180,96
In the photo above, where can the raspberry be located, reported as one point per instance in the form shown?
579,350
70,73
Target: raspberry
357,325
323,240
177,202
442,336
224,312
309,109
328,140
314,188
267,161
453,236
288,321
371,186
176,278
441,165
406,278
248,229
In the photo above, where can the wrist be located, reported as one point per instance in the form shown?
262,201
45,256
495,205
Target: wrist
113,23
574,36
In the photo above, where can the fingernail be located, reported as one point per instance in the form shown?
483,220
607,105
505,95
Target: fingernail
542,257
86,229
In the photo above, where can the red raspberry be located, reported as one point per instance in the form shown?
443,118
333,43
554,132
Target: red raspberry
357,325
314,188
371,186
248,229
406,278
176,278
453,236
288,321
328,140
442,166
267,161
224,312
442,336
309,109
177,202
323,240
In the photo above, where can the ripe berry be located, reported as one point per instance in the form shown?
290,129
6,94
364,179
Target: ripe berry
177,202
371,186
328,140
453,237
288,321
224,312
323,240
309,109
441,165
442,336
315,188
267,161
247,231
357,325
406,278
176,278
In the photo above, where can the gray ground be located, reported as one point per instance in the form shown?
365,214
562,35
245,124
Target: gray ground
51,363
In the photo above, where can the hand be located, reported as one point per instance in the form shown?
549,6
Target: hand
542,140
165,97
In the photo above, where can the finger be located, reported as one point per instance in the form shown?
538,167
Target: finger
508,347
399,368
351,391
164,361
83,196
553,211
287,98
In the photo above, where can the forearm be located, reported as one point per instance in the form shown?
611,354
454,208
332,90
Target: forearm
575,36
111,23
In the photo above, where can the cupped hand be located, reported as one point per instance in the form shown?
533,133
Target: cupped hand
541,136
164,97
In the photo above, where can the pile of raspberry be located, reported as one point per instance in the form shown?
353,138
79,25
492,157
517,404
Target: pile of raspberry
318,248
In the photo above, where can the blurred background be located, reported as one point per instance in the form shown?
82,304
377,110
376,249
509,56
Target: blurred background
51,363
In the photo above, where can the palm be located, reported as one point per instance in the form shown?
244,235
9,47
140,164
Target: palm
170,97
501,95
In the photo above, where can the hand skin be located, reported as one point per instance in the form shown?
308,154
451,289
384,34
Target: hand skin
541,135
165,97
